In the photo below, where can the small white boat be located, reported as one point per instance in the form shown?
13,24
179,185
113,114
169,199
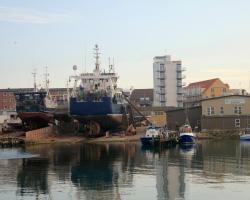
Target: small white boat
186,135
246,135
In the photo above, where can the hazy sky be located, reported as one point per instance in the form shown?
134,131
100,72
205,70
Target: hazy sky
211,37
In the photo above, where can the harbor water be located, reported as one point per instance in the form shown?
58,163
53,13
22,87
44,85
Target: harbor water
207,170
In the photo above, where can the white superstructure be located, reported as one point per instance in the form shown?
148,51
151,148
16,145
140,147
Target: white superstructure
167,82
101,82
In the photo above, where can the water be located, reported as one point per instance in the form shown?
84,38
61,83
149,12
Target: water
210,169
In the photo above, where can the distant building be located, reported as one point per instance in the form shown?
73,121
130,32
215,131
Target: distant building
226,112
177,117
237,91
142,97
197,91
156,115
8,100
167,82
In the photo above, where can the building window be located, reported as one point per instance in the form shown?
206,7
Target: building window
212,90
210,110
221,110
224,90
237,122
237,110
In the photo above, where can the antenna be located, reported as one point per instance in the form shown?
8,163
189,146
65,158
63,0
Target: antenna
113,64
34,77
85,60
110,66
46,75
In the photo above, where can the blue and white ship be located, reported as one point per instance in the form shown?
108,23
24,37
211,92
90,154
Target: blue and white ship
152,136
186,135
96,102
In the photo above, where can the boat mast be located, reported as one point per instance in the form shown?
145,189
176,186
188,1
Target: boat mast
97,62
46,75
34,77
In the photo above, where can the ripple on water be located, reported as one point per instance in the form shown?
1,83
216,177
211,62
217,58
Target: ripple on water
7,154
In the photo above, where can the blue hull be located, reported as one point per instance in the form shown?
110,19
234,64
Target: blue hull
186,139
90,107
245,138
148,141
110,115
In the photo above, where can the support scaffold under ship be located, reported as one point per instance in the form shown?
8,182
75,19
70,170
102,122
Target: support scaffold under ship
96,102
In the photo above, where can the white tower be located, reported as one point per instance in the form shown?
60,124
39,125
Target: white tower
167,82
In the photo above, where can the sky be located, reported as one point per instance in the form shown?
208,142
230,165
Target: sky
212,38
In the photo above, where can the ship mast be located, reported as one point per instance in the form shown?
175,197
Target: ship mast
34,77
97,62
46,75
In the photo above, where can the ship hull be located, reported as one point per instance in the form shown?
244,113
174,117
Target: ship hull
109,116
33,120
187,139
110,122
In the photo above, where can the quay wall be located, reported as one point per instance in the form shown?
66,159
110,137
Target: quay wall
220,134
39,133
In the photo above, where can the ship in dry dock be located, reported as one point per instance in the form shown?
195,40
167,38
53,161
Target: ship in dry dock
96,102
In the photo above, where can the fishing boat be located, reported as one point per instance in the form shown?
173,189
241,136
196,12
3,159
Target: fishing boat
158,136
186,135
96,102
246,135
36,107
31,109
152,136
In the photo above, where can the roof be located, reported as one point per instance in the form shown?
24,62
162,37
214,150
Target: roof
139,93
203,84
157,108
226,96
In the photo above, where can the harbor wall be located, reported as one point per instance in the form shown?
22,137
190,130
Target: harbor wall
39,133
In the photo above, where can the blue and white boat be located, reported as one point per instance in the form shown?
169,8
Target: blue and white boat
246,135
152,136
186,135
96,102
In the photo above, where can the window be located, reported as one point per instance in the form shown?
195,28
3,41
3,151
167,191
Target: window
237,110
210,110
237,122
221,110
212,90
224,90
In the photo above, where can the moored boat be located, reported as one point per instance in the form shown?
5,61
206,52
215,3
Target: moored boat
152,136
186,135
246,135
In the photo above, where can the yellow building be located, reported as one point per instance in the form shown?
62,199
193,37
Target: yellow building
156,115
197,91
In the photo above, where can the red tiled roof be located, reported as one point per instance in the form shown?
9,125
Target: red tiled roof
203,84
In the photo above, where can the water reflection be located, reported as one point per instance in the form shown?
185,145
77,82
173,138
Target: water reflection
126,171
33,177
